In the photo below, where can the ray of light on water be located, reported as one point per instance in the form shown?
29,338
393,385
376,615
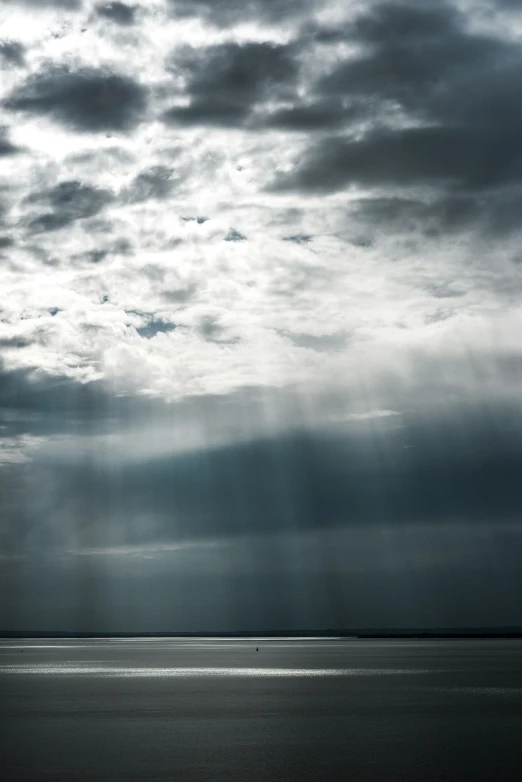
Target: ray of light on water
95,670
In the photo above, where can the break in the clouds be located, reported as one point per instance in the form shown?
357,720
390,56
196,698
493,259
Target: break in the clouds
261,273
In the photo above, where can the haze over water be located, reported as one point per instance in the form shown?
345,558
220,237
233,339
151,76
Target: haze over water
298,709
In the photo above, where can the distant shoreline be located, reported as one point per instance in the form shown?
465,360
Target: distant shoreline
501,632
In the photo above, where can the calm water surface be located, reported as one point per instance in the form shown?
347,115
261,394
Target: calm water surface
162,709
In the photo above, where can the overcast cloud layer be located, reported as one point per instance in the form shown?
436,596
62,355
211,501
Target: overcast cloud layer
261,277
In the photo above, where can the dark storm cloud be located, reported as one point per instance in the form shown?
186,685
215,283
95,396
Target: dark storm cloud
465,158
228,12
198,220
460,88
117,12
118,247
309,117
225,82
492,214
68,201
443,290
43,405
88,100
424,58
12,53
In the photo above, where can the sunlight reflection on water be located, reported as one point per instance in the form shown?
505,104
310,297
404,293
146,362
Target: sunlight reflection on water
115,671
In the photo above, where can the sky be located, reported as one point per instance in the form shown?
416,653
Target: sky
260,314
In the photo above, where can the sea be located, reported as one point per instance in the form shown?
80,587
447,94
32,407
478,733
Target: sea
261,709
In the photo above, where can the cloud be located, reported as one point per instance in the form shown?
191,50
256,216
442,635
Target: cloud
70,5
452,94
18,449
120,13
321,375
412,156
403,212
207,112
155,182
12,53
225,13
182,295
365,471
318,115
445,214
225,82
424,58
370,497
153,327
87,100
234,236
298,238
317,342
94,256
35,392
7,148
492,213
68,201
